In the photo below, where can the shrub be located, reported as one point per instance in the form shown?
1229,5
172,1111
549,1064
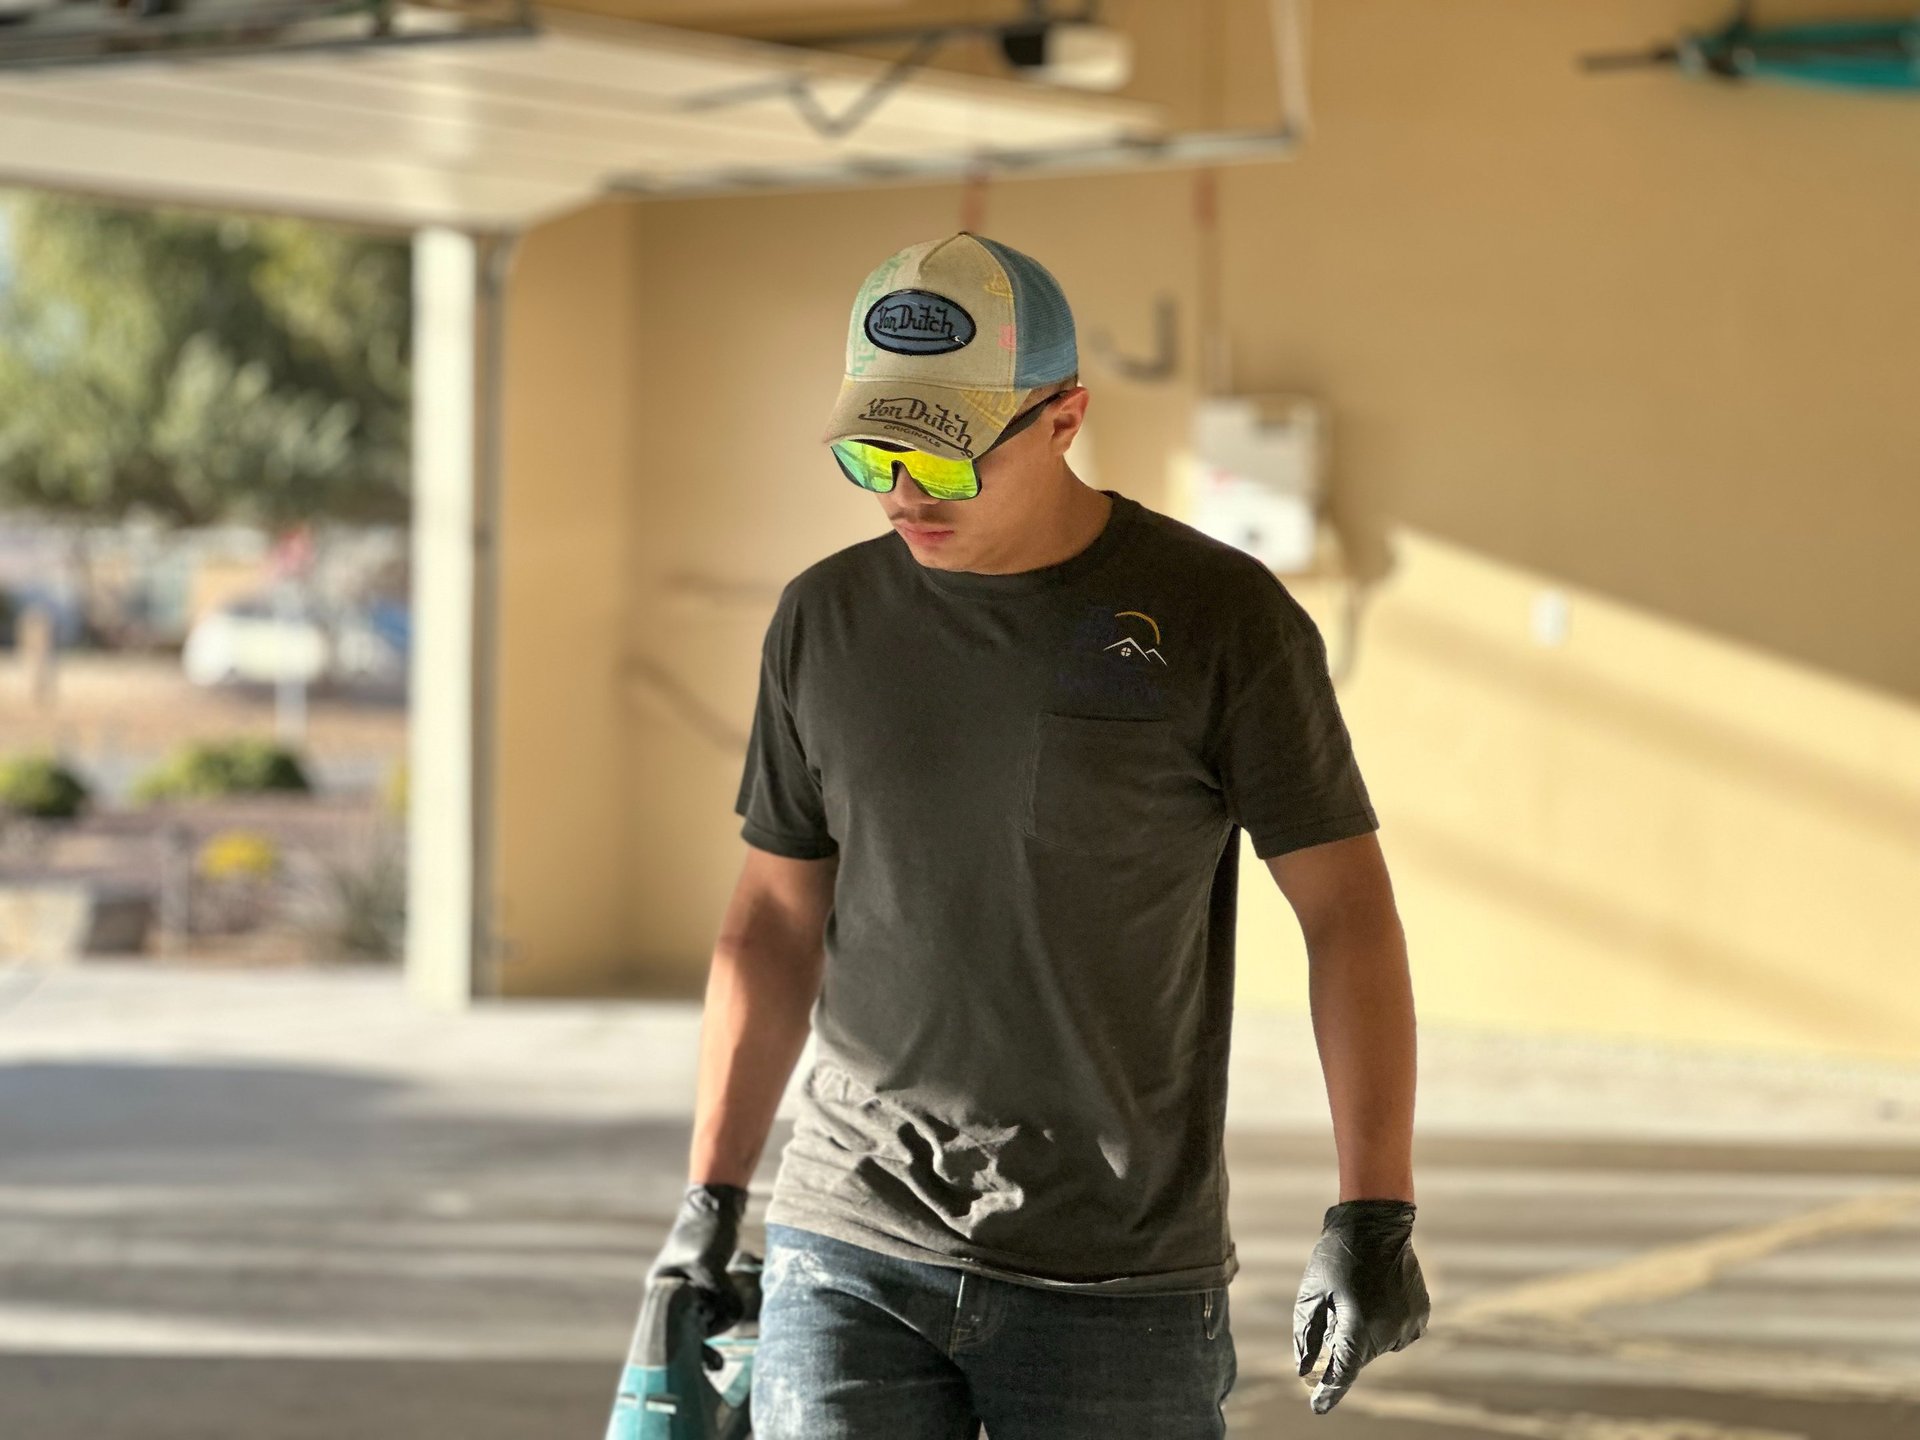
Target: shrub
206,768
39,785
364,898
394,793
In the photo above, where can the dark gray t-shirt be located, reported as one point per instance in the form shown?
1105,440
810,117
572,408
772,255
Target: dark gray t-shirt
1036,784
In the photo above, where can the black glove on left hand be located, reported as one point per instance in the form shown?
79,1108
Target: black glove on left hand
1363,1283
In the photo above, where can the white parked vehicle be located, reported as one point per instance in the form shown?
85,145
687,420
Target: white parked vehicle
251,640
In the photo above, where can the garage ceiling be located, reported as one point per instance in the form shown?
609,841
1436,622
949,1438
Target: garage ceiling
503,132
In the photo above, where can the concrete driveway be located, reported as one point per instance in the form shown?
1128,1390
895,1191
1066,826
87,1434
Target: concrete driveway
290,1205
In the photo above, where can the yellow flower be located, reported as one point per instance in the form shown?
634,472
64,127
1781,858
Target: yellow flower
238,853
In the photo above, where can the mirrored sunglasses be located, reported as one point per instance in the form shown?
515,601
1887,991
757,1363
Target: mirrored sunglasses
869,463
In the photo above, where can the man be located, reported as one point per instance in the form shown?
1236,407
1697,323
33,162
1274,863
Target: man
999,766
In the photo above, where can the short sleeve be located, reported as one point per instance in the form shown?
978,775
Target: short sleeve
1284,758
780,797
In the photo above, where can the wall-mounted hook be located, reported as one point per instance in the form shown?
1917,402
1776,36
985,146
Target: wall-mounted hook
1166,353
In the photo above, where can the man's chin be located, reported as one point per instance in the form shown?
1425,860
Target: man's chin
938,562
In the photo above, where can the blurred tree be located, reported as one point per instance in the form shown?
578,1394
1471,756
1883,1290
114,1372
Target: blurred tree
201,368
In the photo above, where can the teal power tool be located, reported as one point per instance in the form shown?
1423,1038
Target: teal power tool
665,1392
1877,53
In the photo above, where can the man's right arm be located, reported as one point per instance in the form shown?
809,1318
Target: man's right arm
767,968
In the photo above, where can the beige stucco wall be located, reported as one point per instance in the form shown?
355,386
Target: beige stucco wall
565,812
1648,341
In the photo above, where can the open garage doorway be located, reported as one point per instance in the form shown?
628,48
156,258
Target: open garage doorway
205,584
461,135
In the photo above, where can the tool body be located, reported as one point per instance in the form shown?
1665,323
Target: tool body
665,1392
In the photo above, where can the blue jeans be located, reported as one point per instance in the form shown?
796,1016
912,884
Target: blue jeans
858,1345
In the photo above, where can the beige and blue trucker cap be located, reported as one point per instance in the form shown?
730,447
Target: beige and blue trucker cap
945,339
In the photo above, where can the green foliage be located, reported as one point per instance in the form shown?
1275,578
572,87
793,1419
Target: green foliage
366,898
206,768
39,785
394,795
200,369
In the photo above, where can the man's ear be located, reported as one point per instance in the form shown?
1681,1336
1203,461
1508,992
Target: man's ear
1073,410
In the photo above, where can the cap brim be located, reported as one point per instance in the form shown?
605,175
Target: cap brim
947,420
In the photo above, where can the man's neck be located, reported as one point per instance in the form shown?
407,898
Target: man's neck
1076,526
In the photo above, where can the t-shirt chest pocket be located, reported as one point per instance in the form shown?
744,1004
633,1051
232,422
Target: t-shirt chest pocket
1099,786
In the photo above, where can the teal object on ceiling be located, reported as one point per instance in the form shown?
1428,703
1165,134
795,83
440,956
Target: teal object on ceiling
1882,54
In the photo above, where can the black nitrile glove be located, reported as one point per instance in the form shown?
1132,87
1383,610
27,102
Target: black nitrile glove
1364,1284
702,1241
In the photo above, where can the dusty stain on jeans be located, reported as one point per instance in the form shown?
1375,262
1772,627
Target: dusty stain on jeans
785,1260
779,1405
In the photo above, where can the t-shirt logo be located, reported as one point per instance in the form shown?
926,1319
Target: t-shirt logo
1133,644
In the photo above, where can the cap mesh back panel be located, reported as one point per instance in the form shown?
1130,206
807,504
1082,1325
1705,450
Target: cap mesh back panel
1045,347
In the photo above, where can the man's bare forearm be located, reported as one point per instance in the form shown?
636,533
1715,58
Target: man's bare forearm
760,994
1361,993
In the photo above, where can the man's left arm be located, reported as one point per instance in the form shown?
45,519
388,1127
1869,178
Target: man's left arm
1362,1294
1361,996
1286,768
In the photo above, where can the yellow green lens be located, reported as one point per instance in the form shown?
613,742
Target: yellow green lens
866,465
871,467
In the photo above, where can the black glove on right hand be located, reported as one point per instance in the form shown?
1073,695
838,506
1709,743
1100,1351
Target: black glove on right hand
702,1241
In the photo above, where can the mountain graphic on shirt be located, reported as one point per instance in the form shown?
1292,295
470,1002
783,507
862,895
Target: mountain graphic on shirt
1129,646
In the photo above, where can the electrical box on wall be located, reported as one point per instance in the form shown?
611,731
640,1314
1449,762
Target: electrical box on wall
1258,475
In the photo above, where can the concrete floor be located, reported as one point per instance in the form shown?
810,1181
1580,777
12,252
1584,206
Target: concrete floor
289,1205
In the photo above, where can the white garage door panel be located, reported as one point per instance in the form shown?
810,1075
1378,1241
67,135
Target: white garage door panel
119,159
501,132
346,111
